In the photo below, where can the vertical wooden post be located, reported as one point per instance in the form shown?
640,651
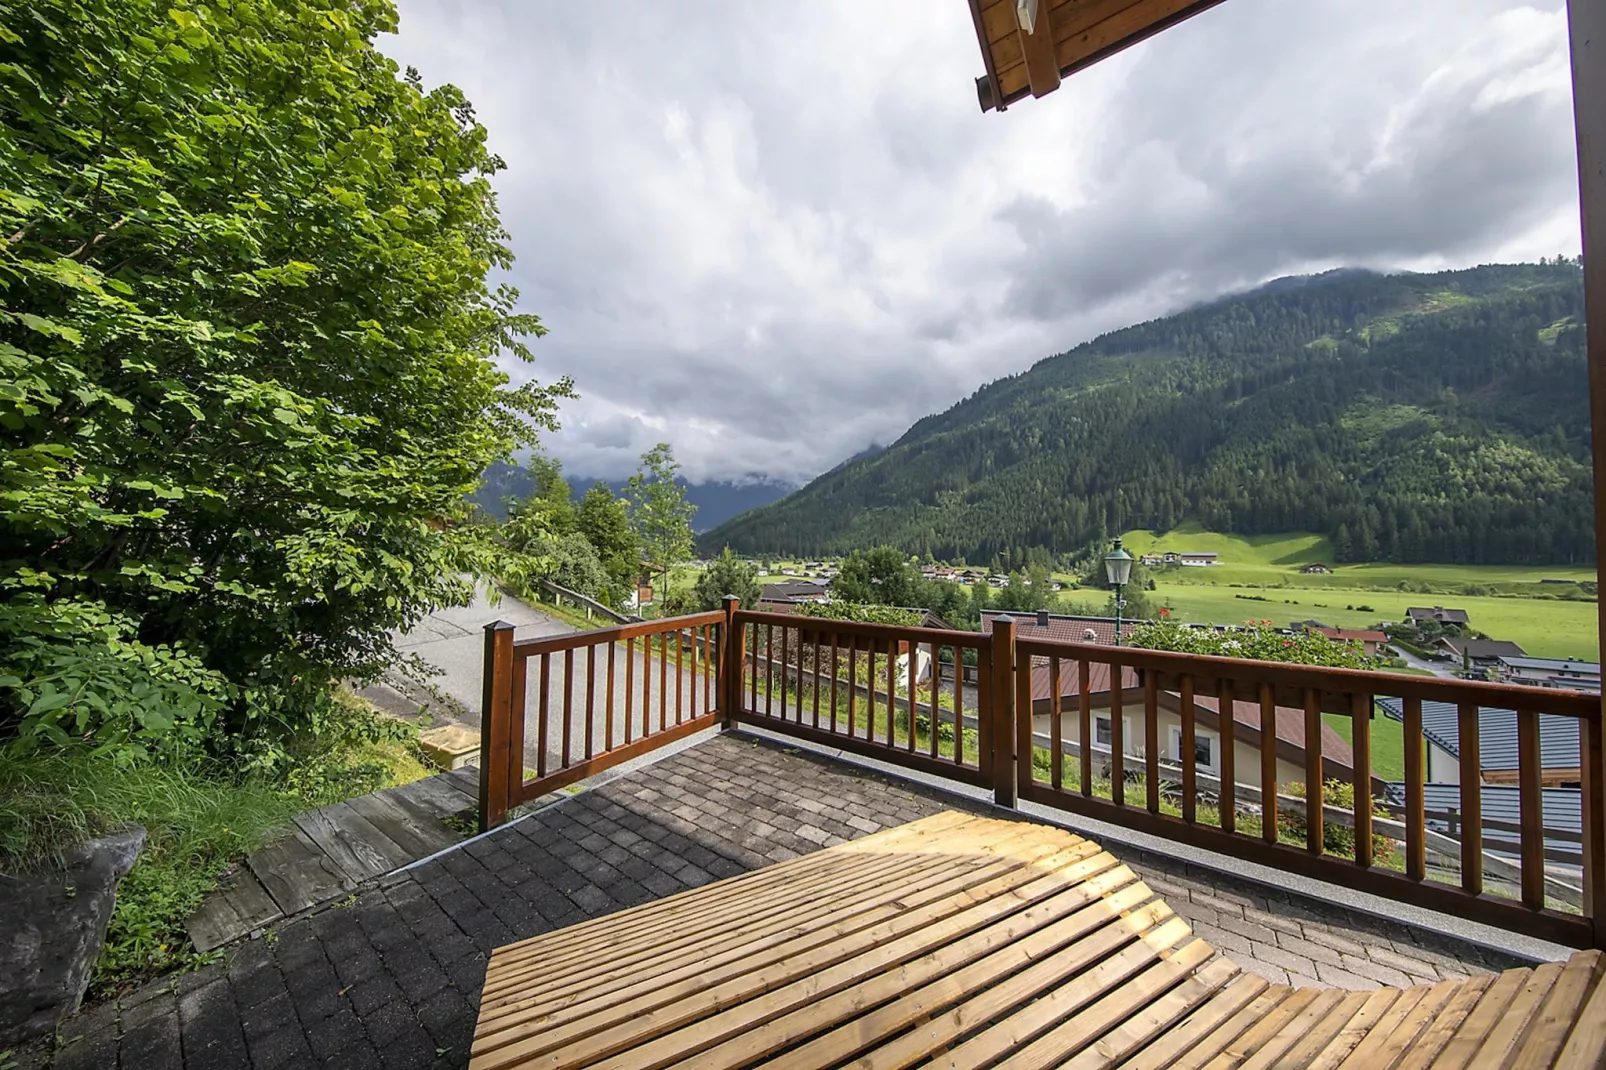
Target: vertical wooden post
496,720
1586,23
1003,696
730,666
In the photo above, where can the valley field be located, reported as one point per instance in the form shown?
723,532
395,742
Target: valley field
1265,570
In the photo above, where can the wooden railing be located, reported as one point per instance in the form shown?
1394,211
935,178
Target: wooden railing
1374,853
872,689
592,700
573,705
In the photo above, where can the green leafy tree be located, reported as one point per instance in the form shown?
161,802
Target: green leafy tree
659,510
881,576
246,342
1257,640
727,574
604,520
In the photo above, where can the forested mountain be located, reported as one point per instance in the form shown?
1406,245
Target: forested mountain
1411,417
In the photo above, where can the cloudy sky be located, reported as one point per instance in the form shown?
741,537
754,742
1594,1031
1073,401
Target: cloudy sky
774,233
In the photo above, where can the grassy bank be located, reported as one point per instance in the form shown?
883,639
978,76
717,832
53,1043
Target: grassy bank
200,819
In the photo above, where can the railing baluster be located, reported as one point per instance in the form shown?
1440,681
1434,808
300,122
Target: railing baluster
815,716
935,677
914,664
1530,798
607,724
1151,739
1361,747
959,705
1592,755
752,677
1025,743
1190,775
646,686
769,671
1416,860
540,728
1056,774
835,685
892,693
630,689
1227,759
1117,736
568,702
786,668
1467,733
515,748
1085,726
853,682
591,697
1313,771
1268,764
680,671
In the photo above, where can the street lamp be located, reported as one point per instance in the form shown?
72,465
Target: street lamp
1118,567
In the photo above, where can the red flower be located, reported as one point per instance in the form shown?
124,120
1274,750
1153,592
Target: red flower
1164,612
1288,642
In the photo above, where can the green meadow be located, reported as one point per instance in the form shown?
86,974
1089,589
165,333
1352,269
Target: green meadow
1259,578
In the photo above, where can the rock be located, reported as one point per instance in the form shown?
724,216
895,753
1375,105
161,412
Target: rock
51,932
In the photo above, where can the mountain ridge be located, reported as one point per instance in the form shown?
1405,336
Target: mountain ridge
1406,416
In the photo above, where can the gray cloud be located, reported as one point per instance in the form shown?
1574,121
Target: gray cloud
773,234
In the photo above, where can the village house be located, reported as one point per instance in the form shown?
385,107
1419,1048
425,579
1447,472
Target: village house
1371,641
792,591
1551,672
1421,615
1497,744
1060,627
1478,655
1315,568
1337,757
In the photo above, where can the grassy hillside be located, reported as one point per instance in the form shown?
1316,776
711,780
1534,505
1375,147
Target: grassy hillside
1411,418
1271,560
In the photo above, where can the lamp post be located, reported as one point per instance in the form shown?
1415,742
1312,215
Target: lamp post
1118,567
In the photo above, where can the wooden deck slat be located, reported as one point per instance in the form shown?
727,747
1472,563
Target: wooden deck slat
962,941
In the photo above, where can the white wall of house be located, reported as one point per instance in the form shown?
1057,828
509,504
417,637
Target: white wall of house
1246,757
1442,766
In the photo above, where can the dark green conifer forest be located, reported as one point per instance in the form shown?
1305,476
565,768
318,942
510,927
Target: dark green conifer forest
1410,417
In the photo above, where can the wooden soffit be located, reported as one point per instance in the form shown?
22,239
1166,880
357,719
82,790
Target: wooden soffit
1066,36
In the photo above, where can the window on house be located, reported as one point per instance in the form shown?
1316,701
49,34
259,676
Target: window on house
1204,748
1101,731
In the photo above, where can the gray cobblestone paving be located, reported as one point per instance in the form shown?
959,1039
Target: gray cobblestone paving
393,979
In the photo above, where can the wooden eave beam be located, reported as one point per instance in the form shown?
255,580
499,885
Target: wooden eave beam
1042,67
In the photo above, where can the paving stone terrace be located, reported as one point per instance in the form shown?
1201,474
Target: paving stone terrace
392,979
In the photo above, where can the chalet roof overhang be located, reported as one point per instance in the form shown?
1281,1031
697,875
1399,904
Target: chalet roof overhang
1065,36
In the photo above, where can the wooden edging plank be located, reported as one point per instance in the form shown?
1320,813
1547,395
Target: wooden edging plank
927,985
1243,1000
352,842
1311,1031
1503,1036
1379,1004
1555,1019
297,874
1399,1027
1149,1022
406,824
1422,1050
1107,1012
806,977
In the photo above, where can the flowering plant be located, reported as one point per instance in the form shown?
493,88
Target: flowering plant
1256,639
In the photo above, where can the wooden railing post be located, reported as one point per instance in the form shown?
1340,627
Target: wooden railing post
496,723
1003,699
1586,24
731,664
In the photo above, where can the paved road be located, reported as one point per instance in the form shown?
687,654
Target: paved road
452,640
1444,669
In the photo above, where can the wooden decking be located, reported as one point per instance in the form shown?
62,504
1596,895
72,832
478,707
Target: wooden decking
333,849
964,941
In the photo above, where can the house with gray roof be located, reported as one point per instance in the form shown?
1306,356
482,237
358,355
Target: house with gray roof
1551,672
1497,744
